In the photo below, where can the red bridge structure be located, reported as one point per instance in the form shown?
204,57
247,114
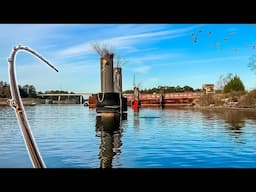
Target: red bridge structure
157,99
165,99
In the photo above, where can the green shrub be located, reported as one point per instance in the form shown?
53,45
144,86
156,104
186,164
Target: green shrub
235,84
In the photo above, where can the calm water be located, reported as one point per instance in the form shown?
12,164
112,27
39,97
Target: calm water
70,136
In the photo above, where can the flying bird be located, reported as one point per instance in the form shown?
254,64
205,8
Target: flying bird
194,37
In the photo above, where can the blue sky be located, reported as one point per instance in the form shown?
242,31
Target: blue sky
158,54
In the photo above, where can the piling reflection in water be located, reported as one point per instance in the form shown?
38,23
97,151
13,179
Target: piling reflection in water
136,119
110,133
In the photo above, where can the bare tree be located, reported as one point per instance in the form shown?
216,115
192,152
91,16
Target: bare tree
119,61
252,63
103,49
223,80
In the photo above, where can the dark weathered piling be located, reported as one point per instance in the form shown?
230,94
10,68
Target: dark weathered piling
118,79
106,70
110,99
118,89
107,100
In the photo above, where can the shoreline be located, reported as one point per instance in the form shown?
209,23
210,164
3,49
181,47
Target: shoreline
200,107
33,101
222,108
26,101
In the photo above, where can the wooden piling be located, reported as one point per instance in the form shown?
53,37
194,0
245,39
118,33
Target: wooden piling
106,71
118,79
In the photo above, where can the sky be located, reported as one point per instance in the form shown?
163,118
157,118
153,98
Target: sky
158,54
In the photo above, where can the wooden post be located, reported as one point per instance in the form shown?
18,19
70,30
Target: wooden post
136,93
118,79
106,67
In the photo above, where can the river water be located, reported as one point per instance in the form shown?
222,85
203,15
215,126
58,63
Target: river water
71,136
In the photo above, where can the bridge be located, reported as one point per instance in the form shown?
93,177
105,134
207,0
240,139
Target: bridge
166,98
59,95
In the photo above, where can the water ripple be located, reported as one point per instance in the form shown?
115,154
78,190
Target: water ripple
152,138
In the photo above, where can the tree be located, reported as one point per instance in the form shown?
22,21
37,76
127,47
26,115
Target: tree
235,84
102,49
223,80
179,89
30,90
56,92
119,61
23,92
4,90
187,88
166,89
252,63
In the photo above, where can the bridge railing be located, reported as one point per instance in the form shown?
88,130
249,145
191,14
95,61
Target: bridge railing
156,96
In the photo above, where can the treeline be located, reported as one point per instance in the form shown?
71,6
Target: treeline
4,90
166,89
25,91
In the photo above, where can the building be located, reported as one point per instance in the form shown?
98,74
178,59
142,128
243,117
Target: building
208,88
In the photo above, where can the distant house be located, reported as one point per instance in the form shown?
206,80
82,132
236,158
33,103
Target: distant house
208,88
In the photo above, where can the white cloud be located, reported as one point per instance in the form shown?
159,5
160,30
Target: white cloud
68,47
43,78
127,41
84,48
28,33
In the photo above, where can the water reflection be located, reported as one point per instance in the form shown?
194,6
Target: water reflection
180,138
234,120
109,131
136,119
